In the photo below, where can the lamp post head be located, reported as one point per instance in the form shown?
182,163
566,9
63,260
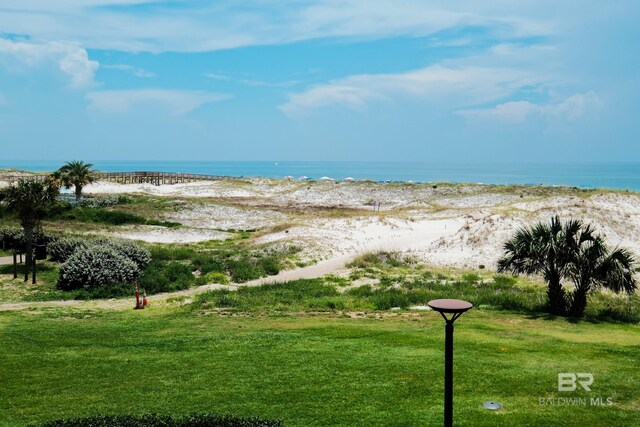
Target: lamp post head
450,306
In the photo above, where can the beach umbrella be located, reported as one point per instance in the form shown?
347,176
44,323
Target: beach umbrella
303,177
288,177
349,179
326,178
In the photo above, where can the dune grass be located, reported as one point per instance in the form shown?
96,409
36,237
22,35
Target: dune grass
311,370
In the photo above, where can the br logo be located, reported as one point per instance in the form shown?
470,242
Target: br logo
568,381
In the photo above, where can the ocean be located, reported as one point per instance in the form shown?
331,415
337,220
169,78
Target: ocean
622,176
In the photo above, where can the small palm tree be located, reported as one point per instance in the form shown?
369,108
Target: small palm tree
76,173
594,266
28,200
569,250
542,249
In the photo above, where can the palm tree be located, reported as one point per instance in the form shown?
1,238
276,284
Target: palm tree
76,173
594,266
569,250
542,249
28,201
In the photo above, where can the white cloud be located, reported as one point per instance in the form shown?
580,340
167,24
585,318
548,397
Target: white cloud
568,109
249,82
136,71
448,85
176,102
69,58
203,26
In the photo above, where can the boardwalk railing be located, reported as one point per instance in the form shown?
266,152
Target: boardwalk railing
139,177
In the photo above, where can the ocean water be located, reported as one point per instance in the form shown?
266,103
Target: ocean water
623,176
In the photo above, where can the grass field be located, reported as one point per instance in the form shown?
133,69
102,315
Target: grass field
312,369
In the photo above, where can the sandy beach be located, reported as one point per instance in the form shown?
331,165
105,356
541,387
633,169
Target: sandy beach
461,226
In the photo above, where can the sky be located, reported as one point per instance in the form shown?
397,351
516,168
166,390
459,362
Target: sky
347,80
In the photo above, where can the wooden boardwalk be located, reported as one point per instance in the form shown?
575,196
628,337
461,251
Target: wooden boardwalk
139,177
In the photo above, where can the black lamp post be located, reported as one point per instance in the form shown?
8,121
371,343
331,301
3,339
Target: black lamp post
455,308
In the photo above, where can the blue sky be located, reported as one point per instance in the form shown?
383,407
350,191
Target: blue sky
320,80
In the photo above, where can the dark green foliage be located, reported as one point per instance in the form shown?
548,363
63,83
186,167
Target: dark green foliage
153,420
63,248
169,253
389,298
75,173
568,250
97,266
363,291
161,276
270,265
139,255
113,290
105,216
207,264
504,282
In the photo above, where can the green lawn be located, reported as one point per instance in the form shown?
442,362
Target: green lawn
309,369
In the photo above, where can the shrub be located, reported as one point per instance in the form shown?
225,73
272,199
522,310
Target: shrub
153,420
384,300
270,265
471,278
363,291
215,277
114,290
99,201
243,270
206,263
63,248
135,253
13,238
504,282
96,266
165,277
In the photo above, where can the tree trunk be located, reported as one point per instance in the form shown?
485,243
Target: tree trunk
578,302
78,193
557,298
28,237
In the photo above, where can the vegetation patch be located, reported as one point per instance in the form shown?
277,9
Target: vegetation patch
153,420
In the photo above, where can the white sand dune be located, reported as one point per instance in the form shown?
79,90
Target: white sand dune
459,226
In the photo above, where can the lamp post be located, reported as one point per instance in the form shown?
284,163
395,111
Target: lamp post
455,308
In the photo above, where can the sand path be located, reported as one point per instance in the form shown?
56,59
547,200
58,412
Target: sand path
409,238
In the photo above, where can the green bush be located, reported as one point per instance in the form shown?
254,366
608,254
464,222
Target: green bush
207,263
161,276
270,265
173,252
243,270
96,266
363,291
99,201
389,298
63,248
504,282
135,253
153,420
13,238
114,290
215,277
104,216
